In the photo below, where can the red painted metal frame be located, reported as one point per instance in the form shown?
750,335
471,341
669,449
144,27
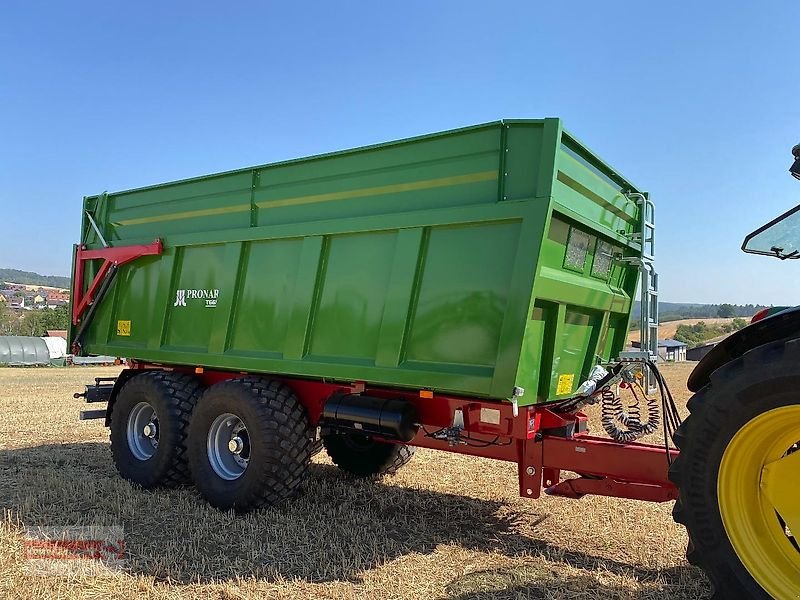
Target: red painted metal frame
542,443
118,255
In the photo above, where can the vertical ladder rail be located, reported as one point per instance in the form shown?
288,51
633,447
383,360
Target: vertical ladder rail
649,284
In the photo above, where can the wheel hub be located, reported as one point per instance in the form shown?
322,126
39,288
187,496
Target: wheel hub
236,445
228,446
150,430
142,431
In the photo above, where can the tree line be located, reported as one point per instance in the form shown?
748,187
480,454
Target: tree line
32,322
695,335
671,312
31,278
675,311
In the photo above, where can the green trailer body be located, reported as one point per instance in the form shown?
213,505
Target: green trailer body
469,262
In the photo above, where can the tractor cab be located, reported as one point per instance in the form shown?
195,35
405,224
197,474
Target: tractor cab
781,236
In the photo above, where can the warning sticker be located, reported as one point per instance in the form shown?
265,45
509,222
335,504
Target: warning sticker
124,328
564,384
490,415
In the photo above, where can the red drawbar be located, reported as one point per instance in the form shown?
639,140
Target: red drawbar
118,255
542,443
608,468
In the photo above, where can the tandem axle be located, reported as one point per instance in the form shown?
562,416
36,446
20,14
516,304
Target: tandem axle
542,442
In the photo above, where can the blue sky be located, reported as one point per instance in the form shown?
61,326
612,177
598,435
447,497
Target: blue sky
697,102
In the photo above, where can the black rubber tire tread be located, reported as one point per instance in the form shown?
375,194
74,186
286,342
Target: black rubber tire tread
281,439
173,397
763,378
369,458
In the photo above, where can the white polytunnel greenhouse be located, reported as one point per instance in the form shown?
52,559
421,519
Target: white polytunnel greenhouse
22,351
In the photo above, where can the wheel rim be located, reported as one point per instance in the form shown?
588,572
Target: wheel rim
759,498
228,446
143,431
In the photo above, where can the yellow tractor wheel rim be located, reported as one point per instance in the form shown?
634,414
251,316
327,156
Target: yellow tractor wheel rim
758,485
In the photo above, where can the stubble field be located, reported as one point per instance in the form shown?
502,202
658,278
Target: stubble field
446,526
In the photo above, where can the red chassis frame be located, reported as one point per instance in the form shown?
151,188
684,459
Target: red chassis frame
542,443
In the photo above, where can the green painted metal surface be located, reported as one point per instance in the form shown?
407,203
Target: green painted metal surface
469,261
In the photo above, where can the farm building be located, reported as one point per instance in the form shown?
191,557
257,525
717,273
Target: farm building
698,352
669,350
19,351
672,350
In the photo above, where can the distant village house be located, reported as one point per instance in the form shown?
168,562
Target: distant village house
27,297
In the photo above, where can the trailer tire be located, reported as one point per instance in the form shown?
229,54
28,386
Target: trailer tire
270,459
363,456
160,459
740,422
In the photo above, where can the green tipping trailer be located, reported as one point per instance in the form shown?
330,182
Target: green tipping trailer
468,291
472,262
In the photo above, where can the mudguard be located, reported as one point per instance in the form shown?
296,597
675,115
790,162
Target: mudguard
783,325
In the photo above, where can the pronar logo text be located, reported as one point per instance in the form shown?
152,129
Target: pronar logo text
209,297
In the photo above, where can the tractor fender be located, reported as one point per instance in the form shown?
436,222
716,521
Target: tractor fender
782,325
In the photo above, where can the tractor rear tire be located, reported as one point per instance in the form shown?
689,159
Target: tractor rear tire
737,475
249,443
362,456
160,402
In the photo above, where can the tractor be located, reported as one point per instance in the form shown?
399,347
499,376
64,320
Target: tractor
738,471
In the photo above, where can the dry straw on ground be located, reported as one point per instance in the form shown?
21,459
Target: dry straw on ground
447,526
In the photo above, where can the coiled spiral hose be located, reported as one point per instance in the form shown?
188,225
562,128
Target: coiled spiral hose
614,413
